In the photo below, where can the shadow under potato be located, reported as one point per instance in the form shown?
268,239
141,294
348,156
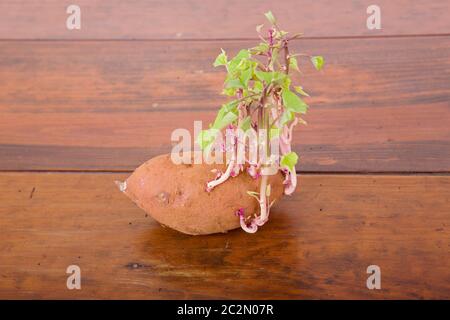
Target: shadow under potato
221,264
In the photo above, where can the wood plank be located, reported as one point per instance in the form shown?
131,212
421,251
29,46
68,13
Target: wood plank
318,243
219,19
379,105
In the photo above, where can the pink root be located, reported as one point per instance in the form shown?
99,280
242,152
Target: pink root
224,177
290,182
232,170
251,227
253,171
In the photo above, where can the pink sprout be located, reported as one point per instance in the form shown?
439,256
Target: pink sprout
251,227
252,170
290,182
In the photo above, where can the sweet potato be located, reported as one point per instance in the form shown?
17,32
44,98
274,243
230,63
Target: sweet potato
176,196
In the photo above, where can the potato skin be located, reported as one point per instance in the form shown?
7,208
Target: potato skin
176,196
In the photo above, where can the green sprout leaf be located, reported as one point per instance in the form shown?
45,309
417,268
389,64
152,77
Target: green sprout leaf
206,137
258,86
223,119
261,48
226,115
293,102
300,90
269,77
286,117
293,63
269,15
246,124
318,62
246,75
230,106
289,160
281,34
236,61
229,91
259,27
233,83
221,59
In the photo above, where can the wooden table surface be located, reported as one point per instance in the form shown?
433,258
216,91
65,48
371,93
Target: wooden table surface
80,109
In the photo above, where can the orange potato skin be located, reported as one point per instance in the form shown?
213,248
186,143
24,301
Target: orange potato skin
176,196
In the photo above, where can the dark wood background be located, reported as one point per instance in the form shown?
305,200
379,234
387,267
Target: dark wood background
80,109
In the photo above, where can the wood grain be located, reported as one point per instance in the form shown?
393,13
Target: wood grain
318,243
218,19
379,105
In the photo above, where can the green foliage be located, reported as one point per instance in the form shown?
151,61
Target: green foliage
206,137
318,62
246,124
256,83
236,64
269,77
300,90
269,15
293,64
293,102
286,117
221,59
289,160
260,49
224,119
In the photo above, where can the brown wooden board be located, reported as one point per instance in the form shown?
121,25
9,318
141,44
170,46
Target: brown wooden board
318,243
217,19
379,104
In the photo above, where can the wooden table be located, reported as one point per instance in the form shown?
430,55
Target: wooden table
80,109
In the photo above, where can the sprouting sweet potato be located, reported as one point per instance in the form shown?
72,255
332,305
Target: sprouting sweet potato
176,195
258,125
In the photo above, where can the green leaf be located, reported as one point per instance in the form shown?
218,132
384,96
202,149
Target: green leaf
269,15
234,63
261,48
224,119
230,106
246,75
226,115
233,83
286,117
289,160
246,124
268,77
221,59
292,102
229,91
258,86
206,137
286,82
259,27
293,63
318,62
299,89
281,34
